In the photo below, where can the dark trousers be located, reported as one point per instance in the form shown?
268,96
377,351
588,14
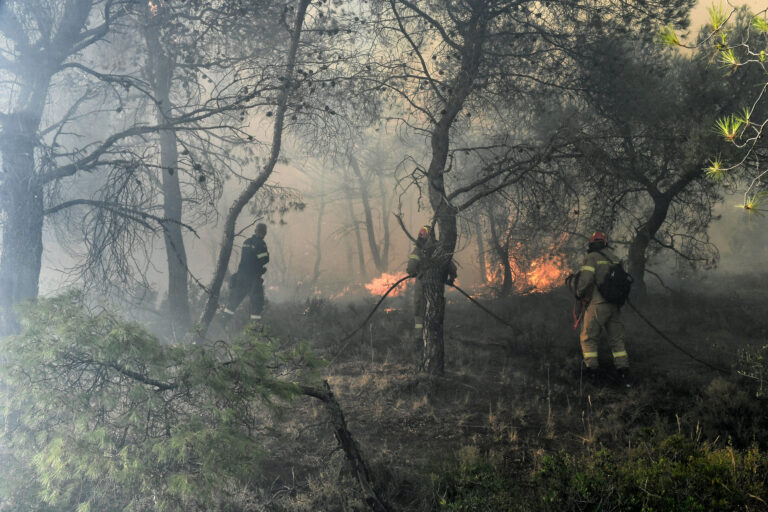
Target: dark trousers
240,286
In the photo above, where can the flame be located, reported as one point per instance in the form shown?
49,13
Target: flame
537,276
153,7
381,284
546,273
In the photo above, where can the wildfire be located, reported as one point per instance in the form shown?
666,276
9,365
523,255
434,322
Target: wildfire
547,273
381,284
538,276
153,7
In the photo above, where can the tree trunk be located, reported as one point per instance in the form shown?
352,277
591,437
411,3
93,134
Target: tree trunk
349,446
356,229
433,361
21,197
502,253
433,351
22,202
318,243
369,227
636,258
385,213
481,252
161,72
228,238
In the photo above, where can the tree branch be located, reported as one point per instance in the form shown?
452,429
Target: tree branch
161,386
349,445
432,21
119,209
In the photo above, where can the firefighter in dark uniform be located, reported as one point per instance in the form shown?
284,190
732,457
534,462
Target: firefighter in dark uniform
418,261
248,278
600,317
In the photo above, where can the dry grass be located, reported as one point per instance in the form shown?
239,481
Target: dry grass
508,396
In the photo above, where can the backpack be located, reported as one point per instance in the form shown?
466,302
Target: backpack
615,288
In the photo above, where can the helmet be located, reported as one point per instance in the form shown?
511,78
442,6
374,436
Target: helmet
598,236
425,231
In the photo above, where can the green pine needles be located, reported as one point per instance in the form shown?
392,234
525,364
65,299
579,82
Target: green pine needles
101,416
728,126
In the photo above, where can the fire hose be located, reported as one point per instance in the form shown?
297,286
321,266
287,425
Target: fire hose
348,336
581,306
658,331
724,371
395,285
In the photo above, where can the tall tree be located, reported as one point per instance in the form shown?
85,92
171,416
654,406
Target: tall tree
43,44
646,144
58,55
286,87
471,57
161,66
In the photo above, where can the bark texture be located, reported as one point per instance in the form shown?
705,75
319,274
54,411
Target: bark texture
161,68
433,360
22,202
351,449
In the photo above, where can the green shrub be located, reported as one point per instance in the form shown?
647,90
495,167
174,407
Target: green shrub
674,475
102,416
476,488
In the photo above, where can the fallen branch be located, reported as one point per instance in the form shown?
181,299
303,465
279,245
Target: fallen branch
349,445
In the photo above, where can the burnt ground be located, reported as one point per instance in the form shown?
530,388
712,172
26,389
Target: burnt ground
509,396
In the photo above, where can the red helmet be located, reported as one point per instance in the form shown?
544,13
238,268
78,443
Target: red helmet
425,231
598,236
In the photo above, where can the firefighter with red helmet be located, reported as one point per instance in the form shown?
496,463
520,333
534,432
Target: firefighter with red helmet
419,259
601,317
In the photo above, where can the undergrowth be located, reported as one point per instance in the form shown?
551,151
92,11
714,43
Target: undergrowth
673,474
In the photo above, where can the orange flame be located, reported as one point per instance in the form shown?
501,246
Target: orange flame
546,273
381,284
539,276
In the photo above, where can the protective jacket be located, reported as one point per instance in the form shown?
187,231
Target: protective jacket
254,258
247,281
601,318
593,273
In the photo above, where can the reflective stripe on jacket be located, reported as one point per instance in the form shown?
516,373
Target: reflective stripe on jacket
255,256
593,272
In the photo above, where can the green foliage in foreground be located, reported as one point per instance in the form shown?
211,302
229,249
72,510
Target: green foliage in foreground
101,416
677,474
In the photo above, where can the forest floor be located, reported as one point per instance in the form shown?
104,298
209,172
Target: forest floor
509,397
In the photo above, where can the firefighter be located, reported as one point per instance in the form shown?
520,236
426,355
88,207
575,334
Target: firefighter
248,278
600,317
418,261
